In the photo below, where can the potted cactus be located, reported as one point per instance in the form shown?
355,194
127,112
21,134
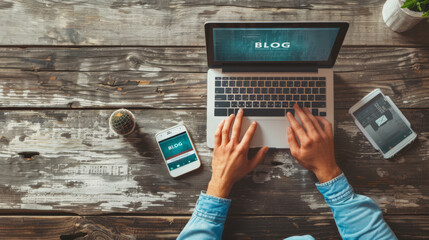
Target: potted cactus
122,122
402,15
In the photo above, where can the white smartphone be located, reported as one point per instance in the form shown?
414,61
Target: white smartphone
178,151
382,123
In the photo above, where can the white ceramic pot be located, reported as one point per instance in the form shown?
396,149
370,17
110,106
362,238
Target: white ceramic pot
400,19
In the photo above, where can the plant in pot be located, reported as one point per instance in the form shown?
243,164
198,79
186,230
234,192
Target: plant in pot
402,15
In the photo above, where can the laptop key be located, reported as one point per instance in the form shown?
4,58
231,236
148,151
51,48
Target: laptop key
234,104
275,84
268,84
281,97
320,97
245,97
264,90
230,97
260,97
322,90
270,104
300,104
320,84
263,104
271,90
315,91
228,90
311,84
307,104
315,112
322,114
274,97
293,90
282,83
285,90
322,78
237,97
285,104
300,90
253,97
246,83
318,104
304,97
232,83
308,90
219,90
257,90
224,83
222,104
278,104
250,90
235,90
288,97
266,97
297,84
264,112
242,90
241,104
239,83
291,110
218,83
231,111
255,104
248,104
224,78
295,97
253,83
218,78
260,83
304,84
289,83
220,112
278,90
220,97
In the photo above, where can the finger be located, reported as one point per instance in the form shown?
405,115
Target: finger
315,122
306,122
226,128
235,135
247,138
258,158
218,134
327,126
293,143
297,128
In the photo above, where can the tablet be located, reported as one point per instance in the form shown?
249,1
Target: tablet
382,123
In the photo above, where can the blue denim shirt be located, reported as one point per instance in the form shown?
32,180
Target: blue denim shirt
356,216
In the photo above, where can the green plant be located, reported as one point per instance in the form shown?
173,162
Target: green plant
418,6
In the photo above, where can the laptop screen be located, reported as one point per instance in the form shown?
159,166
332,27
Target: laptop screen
273,44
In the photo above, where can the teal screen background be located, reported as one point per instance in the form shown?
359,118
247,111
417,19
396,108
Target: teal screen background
186,145
306,44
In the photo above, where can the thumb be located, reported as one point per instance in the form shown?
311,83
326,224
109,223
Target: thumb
258,158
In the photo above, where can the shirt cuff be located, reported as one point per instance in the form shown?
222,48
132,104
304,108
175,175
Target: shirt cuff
212,208
336,190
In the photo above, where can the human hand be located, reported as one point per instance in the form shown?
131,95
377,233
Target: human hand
316,149
230,161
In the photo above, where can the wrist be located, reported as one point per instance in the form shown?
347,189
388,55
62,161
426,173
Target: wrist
217,189
328,174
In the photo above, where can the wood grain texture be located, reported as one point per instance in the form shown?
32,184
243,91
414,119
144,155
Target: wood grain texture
163,77
75,164
169,227
180,23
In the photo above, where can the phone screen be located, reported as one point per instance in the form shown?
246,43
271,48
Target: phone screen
178,151
382,123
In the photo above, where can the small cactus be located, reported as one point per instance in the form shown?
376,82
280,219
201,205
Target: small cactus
122,122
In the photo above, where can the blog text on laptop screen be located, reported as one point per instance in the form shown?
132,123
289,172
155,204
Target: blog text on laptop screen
273,44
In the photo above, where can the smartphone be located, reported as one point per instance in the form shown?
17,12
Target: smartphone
382,123
178,151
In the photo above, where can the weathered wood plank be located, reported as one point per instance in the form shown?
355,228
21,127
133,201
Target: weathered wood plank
81,167
168,227
176,77
180,23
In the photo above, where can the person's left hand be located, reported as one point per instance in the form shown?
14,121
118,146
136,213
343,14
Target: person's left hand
230,161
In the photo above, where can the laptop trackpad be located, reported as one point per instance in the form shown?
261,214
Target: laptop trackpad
270,132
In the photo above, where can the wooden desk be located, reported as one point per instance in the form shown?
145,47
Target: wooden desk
64,67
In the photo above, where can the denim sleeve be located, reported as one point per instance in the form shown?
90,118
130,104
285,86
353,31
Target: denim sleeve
356,216
208,219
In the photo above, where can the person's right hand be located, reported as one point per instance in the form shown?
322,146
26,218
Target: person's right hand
316,149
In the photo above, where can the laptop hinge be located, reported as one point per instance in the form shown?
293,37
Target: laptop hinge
273,68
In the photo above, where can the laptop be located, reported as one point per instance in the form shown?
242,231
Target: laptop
265,68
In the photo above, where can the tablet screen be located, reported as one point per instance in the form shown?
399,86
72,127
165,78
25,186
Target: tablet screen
382,123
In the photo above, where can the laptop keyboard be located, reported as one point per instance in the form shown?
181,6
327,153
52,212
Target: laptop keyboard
269,96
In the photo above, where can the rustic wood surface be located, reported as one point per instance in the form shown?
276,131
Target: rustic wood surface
180,23
176,77
66,65
168,227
